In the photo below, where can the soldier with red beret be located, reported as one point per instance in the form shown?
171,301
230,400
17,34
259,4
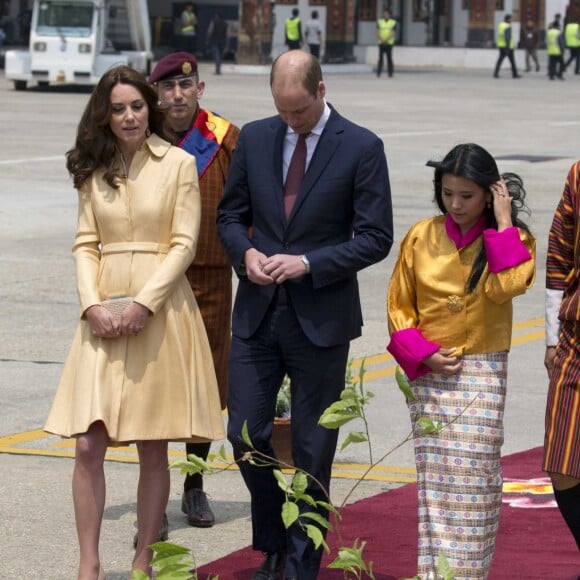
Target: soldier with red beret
211,139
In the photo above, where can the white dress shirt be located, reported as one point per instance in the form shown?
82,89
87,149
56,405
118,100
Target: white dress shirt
311,141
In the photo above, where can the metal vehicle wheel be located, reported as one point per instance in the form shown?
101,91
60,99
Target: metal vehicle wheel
19,85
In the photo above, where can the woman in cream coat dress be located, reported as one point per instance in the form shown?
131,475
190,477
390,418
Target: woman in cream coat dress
145,376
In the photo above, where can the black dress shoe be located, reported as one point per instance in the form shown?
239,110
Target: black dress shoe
163,532
195,505
272,567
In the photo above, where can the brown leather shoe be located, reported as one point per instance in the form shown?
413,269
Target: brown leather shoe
272,567
163,532
195,506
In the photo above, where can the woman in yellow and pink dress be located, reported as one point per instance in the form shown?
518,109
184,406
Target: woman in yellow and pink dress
450,319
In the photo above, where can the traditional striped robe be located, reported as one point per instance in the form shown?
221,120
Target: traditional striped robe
562,438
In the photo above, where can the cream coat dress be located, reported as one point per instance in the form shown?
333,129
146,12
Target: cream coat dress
138,241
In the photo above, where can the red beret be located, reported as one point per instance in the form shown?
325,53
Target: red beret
176,65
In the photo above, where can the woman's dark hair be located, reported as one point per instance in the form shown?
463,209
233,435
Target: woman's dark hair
95,145
473,162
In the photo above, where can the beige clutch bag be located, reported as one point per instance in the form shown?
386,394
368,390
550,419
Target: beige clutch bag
117,305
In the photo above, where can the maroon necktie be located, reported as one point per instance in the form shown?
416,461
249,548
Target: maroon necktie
295,174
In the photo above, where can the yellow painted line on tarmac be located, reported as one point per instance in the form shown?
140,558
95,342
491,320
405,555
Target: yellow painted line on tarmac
529,323
530,337
390,365
51,446
390,473
371,360
377,366
386,357
374,477
57,447
377,468
22,437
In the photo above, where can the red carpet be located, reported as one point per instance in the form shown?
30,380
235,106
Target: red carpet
533,541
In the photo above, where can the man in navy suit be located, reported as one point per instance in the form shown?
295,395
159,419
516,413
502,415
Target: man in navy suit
297,305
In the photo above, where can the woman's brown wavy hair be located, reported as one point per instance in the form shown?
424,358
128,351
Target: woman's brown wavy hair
95,145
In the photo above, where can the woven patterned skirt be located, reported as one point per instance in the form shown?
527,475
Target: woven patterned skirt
562,439
458,469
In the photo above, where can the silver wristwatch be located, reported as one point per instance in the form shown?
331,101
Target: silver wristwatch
306,263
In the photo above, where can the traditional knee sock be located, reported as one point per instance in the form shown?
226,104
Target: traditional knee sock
195,481
568,501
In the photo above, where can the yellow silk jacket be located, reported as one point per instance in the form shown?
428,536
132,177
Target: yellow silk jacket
428,292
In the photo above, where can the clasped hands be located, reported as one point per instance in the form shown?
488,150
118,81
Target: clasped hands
104,324
276,269
443,363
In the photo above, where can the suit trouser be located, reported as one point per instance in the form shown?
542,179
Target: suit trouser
314,50
574,55
555,66
532,54
257,367
218,51
509,53
189,43
385,49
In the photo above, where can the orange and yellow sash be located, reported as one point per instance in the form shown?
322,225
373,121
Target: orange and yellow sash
205,139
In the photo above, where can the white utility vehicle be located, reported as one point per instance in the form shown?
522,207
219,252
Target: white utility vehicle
76,41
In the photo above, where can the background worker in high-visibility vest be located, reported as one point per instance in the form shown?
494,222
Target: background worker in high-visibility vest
572,38
386,35
293,30
188,29
555,49
506,43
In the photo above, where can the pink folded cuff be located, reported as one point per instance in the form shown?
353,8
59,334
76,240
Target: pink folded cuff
409,348
504,249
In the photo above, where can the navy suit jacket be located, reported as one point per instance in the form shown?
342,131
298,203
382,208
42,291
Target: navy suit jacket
342,220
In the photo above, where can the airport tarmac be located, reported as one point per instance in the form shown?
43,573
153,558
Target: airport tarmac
530,125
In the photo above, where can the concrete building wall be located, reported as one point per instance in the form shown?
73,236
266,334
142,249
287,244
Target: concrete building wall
460,25
414,32
554,7
367,33
13,20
